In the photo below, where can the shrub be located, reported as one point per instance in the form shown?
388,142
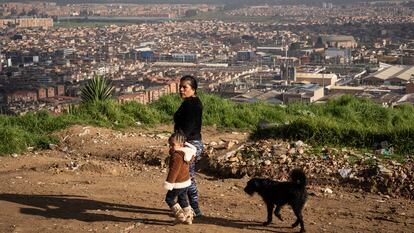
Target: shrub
347,121
105,113
13,140
97,89
166,105
143,113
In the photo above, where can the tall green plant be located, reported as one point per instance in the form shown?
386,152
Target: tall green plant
97,89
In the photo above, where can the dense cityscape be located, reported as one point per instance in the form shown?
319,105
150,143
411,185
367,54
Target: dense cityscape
273,53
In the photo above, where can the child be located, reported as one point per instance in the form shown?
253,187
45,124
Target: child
178,179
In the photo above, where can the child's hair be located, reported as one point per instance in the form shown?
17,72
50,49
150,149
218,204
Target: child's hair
177,137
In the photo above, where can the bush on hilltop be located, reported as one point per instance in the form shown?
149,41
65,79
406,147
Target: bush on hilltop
344,121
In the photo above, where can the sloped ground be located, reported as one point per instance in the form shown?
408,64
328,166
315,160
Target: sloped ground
100,180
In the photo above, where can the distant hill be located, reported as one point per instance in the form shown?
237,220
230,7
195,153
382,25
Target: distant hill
230,2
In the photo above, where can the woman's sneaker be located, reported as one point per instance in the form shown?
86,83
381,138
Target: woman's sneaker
197,213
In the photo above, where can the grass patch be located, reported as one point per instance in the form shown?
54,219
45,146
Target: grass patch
353,159
347,121
343,122
33,129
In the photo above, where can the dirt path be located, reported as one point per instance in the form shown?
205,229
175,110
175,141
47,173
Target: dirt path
86,185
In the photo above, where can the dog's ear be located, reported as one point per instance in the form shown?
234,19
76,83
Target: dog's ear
250,182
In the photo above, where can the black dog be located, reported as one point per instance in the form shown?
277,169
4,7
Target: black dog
277,194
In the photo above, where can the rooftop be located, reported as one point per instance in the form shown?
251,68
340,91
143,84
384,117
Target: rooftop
315,75
394,72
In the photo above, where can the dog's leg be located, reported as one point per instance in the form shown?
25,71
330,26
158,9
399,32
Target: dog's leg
297,209
269,214
296,223
277,212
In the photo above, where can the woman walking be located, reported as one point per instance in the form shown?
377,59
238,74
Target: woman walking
188,120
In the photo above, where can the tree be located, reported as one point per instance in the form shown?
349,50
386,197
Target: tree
97,89
294,46
319,43
191,13
33,12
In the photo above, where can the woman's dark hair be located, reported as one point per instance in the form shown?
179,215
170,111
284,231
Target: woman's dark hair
192,81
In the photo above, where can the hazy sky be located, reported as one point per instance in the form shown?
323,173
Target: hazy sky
249,2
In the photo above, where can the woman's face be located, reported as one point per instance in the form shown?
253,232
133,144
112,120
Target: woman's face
186,90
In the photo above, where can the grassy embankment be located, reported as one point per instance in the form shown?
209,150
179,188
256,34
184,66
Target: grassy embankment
346,121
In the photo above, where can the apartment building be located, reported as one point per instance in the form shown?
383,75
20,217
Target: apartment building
27,22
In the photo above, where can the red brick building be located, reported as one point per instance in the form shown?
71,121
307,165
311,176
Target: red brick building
409,88
60,90
50,91
21,96
138,97
41,93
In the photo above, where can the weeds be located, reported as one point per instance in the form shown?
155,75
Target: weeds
345,121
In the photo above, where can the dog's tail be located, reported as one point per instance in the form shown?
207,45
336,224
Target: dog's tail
298,176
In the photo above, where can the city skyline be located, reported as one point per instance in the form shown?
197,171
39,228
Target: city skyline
277,54
232,2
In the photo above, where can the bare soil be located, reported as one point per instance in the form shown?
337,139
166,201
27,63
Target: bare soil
100,180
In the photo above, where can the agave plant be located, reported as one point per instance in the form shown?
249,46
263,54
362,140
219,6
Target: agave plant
98,88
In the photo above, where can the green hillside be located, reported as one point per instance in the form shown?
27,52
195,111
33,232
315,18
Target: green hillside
345,121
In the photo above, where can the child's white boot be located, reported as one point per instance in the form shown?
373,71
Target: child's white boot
189,214
178,212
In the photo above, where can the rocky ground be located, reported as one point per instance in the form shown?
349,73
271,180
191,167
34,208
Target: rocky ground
100,180
356,170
